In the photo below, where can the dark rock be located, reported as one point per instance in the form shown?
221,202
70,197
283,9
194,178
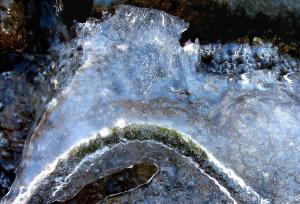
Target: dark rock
5,182
172,183
29,25
231,20
22,100
8,166
118,183
4,143
12,26
74,10
5,154
43,25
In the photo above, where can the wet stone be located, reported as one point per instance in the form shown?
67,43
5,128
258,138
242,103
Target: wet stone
169,184
4,143
21,103
5,154
8,166
116,184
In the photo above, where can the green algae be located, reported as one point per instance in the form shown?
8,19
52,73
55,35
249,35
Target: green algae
171,138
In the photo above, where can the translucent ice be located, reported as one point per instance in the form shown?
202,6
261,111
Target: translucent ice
133,70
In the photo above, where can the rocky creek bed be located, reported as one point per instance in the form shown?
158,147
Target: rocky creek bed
234,91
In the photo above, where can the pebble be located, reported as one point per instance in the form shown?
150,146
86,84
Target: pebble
5,154
5,181
8,165
4,143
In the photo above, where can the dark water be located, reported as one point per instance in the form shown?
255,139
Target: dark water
115,184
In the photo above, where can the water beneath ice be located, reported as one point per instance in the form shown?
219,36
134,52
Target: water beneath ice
133,70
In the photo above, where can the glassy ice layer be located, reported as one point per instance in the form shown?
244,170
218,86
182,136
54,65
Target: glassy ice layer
133,70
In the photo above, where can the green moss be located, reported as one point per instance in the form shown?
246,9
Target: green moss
92,146
84,149
185,146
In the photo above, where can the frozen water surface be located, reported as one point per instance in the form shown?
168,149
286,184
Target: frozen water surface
133,70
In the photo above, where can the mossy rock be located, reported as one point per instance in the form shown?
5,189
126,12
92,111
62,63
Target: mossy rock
183,144
101,146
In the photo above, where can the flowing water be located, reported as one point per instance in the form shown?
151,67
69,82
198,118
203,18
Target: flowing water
242,105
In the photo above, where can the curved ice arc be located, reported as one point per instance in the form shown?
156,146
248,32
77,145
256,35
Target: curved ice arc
134,69
73,171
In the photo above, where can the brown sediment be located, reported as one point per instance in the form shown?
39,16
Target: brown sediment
13,28
210,21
